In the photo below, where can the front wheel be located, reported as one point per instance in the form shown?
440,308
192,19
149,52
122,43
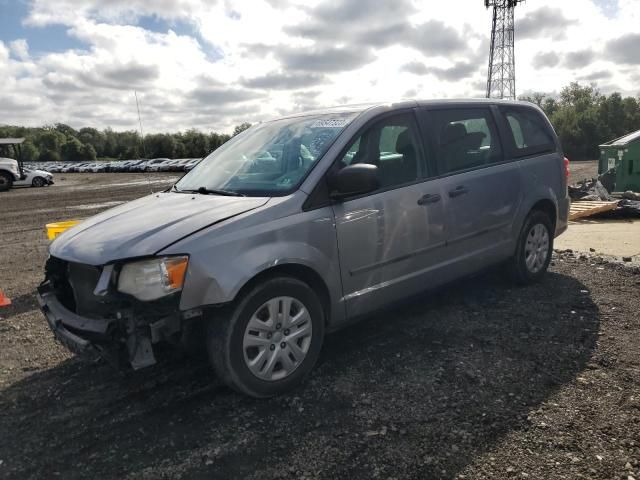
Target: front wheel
270,339
534,249
6,181
38,182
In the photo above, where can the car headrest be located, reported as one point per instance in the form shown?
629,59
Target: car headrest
475,139
404,143
454,132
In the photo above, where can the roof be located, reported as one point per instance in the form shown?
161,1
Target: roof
622,141
11,141
406,104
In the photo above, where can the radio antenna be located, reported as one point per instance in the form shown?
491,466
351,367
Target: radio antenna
144,150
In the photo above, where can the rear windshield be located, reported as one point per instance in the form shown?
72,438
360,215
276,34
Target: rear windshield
268,159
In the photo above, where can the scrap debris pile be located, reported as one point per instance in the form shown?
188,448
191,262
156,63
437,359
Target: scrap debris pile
590,197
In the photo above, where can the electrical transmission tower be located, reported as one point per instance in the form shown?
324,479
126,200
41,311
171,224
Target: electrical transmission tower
502,65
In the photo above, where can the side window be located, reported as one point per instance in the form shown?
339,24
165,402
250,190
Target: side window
392,146
465,139
530,132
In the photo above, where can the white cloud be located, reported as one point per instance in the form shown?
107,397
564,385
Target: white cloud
65,12
20,48
247,61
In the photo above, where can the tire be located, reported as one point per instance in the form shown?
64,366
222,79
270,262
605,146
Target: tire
38,182
282,356
534,249
6,181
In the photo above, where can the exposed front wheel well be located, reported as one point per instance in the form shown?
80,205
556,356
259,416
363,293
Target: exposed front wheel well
300,272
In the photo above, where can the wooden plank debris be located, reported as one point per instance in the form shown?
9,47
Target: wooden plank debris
589,208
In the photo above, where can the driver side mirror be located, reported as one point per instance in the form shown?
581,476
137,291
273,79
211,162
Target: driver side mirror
354,180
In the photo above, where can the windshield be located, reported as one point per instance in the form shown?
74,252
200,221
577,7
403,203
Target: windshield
268,159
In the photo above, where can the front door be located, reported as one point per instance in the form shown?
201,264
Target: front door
389,239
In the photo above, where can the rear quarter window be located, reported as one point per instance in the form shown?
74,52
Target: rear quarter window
531,133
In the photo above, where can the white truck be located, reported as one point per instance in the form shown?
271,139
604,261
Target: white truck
10,170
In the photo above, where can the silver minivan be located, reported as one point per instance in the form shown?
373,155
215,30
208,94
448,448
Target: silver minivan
301,224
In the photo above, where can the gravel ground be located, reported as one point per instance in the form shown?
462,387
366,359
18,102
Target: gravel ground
479,380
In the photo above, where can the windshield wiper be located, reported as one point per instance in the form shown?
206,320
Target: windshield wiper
210,191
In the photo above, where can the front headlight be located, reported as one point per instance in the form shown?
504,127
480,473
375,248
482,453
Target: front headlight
152,279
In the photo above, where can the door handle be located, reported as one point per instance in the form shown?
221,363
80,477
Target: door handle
429,198
461,190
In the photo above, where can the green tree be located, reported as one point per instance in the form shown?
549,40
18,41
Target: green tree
160,145
196,144
49,156
216,140
241,128
550,106
66,130
50,139
536,98
94,137
87,152
631,109
132,153
578,121
30,152
110,144
72,150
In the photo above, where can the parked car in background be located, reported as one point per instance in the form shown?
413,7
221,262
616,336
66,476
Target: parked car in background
154,164
35,178
119,166
168,166
354,208
192,163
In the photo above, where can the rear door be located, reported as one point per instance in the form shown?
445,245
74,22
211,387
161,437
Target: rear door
532,144
389,239
482,189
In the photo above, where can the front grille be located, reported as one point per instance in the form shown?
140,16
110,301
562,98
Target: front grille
83,280
56,273
74,284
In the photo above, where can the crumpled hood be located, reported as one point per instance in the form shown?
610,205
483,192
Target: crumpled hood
146,226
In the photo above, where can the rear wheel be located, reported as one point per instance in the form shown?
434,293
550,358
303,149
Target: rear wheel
534,250
38,182
270,339
6,181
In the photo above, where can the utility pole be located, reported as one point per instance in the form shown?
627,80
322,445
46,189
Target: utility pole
501,82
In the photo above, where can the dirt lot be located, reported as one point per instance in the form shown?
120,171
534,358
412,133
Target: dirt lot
582,170
479,381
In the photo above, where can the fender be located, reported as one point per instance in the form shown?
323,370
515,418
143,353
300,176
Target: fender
225,259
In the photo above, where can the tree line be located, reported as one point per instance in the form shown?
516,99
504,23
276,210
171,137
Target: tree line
584,118
61,142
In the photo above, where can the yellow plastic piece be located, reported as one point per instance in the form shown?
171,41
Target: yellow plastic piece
55,229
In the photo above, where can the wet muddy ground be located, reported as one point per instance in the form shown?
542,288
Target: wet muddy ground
479,380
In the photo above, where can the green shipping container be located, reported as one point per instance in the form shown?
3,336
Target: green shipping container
624,154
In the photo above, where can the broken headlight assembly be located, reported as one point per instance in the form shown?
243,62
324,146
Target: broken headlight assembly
154,278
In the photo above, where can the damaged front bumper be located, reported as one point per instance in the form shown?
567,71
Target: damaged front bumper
124,336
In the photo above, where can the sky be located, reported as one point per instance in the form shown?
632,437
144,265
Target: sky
213,64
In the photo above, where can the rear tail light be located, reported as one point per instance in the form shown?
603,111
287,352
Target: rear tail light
567,170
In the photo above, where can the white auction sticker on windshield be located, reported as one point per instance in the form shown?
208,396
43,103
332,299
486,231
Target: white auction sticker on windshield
334,123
